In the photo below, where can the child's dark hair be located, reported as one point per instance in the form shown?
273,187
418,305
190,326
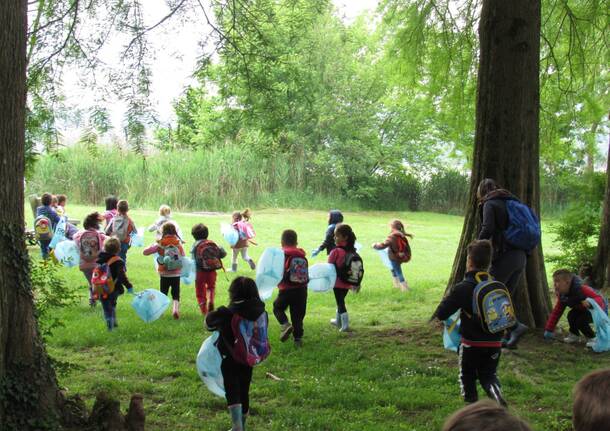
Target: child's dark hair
346,231
92,221
289,237
243,289
112,245
61,199
484,416
200,231
46,199
123,206
479,252
236,216
168,228
586,270
591,399
111,202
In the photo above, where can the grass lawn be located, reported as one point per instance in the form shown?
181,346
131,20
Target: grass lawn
390,373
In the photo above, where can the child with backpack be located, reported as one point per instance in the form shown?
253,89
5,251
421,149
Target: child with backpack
399,252
108,280
111,209
90,242
121,227
44,224
482,325
572,292
293,289
165,215
334,218
169,260
349,272
246,233
243,343
207,256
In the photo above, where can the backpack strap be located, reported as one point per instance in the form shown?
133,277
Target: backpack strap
113,259
478,276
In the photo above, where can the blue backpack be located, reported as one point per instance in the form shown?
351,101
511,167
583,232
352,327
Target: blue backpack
523,231
492,305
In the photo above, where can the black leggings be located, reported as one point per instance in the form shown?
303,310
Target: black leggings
237,378
174,283
580,321
340,295
508,268
296,299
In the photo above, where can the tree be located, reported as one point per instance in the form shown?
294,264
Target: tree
506,145
601,270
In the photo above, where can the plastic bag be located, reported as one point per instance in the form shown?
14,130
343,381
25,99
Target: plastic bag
229,233
602,327
451,334
66,253
150,304
188,270
60,233
385,258
137,238
357,246
322,277
269,271
208,365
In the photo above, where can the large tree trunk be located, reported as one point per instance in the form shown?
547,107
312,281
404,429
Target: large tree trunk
601,270
506,146
29,396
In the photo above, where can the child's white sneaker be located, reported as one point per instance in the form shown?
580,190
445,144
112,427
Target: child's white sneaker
591,341
285,331
571,339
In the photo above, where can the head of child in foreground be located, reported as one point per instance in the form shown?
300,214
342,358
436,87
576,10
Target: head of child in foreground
112,245
168,228
345,234
236,216
243,289
562,279
479,255
200,232
165,211
289,238
111,203
123,207
484,416
591,410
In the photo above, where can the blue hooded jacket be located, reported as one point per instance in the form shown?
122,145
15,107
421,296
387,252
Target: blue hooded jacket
334,218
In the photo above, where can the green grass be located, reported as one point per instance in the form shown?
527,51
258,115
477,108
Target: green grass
390,373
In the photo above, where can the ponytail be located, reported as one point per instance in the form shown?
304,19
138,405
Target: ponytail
400,227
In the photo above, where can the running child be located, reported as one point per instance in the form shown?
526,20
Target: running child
90,242
165,215
334,217
121,227
111,209
207,256
45,222
246,233
399,252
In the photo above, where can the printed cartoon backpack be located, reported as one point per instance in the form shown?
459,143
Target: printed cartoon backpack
101,279
296,270
208,256
403,250
43,228
171,258
523,231
352,270
90,245
492,305
120,227
251,345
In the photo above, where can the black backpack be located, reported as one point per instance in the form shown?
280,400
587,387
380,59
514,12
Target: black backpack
352,270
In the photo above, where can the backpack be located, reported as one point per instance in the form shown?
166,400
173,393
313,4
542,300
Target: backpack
492,305
251,345
296,270
101,278
403,250
90,245
208,255
171,258
523,231
352,270
43,228
120,227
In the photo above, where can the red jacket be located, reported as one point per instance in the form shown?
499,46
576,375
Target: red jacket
578,292
288,253
337,258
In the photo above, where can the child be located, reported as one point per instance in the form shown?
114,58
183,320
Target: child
165,215
586,274
207,257
90,242
45,222
111,209
55,206
121,227
170,251
62,200
399,252
241,246
484,416
571,292
293,289
334,217
244,303
479,351
591,401
109,256
345,243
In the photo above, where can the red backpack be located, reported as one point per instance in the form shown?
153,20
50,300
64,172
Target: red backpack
296,270
208,256
403,250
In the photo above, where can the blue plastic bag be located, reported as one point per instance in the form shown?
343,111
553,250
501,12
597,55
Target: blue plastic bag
269,271
188,270
451,334
150,304
385,258
60,233
229,233
322,277
137,238
357,246
602,327
208,365
66,252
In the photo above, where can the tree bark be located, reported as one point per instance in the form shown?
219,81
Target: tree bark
601,270
506,146
29,396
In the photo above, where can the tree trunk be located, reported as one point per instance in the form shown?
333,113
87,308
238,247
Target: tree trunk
29,396
601,270
506,146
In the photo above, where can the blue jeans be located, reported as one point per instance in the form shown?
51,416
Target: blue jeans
397,271
44,248
109,307
123,253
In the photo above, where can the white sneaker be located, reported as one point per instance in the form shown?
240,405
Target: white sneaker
591,342
571,339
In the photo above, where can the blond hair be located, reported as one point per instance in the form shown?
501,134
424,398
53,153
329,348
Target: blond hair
164,210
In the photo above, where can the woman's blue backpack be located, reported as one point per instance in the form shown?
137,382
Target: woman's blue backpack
523,231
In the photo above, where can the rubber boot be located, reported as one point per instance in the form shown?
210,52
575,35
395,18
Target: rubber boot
176,310
396,282
515,335
237,418
344,322
233,267
285,331
336,321
495,393
252,264
404,286
244,416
